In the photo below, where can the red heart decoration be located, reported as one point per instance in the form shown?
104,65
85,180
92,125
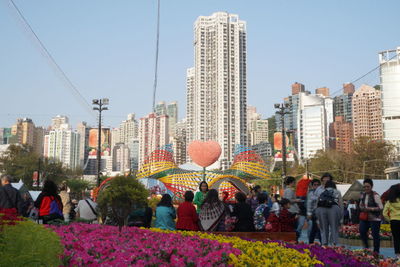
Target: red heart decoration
204,153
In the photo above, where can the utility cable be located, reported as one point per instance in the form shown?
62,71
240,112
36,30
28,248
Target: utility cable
156,60
364,75
52,61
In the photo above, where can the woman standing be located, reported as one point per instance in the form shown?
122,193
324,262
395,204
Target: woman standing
200,195
244,214
370,215
329,213
391,212
66,201
187,216
212,213
165,213
289,194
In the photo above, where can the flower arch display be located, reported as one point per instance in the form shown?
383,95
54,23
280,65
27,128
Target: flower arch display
247,165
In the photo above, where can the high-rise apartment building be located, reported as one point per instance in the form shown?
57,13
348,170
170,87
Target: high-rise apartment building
341,134
161,108
315,113
297,88
172,112
128,135
24,130
128,129
62,144
257,128
190,129
83,130
367,112
390,85
324,91
342,104
258,131
217,95
179,143
59,120
153,134
121,161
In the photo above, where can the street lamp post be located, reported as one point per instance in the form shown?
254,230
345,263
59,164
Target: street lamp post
99,105
282,111
365,161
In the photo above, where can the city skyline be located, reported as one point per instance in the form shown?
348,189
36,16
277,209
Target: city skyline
99,62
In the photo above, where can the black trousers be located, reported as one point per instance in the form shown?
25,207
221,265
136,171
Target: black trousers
395,226
315,232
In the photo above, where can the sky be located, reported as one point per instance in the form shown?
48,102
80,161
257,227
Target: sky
107,50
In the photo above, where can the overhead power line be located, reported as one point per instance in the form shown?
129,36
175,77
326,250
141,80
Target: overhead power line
156,60
52,61
364,75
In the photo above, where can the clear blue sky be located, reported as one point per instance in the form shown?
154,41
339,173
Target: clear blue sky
107,49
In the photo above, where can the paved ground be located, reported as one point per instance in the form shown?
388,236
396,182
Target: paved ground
387,252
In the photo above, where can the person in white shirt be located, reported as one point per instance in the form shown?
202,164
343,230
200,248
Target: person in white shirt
86,209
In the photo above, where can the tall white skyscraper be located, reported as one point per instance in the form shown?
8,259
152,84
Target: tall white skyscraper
153,134
315,113
172,112
62,145
217,86
58,120
390,83
128,129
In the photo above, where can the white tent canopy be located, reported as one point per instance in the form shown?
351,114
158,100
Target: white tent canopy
381,186
343,188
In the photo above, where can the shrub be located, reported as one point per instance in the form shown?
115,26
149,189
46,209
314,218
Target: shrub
120,195
29,244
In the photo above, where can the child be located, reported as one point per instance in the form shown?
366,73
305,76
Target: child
272,224
286,219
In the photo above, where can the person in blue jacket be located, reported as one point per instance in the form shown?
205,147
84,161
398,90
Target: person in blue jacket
165,213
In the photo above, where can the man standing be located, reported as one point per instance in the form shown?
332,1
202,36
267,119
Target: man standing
10,198
312,201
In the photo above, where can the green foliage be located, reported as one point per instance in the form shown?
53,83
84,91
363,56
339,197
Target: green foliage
369,156
77,186
29,244
21,162
120,195
271,129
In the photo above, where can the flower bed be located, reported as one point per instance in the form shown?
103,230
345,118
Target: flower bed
95,245
91,244
352,232
279,253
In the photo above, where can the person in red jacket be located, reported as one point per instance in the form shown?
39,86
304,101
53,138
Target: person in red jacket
286,219
187,215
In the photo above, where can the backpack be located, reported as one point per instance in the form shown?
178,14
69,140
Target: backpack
326,199
258,218
55,207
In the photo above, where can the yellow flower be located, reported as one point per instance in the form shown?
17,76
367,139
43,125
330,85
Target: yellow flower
257,253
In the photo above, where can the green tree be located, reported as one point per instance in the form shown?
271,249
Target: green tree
271,129
374,155
369,156
120,196
77,187
20,162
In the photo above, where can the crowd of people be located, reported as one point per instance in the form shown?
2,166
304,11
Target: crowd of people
53,203
316,203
